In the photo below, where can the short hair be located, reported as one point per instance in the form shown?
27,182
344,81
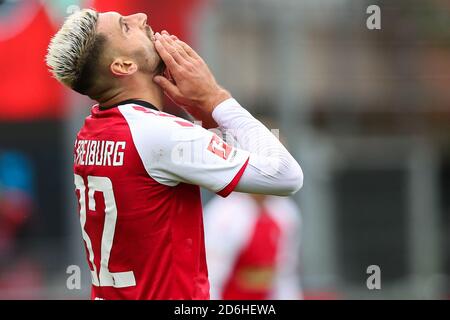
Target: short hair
74,52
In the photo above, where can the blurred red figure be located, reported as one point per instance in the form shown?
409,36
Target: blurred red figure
252,247
20,274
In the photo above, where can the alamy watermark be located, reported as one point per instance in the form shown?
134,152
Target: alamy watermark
373,21
374,280
73,281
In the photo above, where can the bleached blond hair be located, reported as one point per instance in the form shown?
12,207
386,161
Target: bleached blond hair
71,50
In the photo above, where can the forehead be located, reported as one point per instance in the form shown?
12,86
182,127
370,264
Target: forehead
108,22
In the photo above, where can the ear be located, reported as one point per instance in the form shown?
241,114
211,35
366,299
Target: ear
123,67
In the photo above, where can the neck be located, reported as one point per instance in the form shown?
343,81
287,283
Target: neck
139,89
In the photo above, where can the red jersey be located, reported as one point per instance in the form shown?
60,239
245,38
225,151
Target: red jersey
255,267
137,172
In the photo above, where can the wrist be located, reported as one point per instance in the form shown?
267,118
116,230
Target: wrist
227,110
217,98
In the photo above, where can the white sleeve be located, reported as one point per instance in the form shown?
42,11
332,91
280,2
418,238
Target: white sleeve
174,150
271,168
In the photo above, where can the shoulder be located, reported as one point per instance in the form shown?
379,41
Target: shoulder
142,115
160,125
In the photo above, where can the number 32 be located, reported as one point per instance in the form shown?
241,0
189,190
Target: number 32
104,278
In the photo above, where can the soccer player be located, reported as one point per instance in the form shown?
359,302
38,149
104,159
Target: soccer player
138,169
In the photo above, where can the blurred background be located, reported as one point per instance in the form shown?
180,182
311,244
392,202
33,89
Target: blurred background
366,113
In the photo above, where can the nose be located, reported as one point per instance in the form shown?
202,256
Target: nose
143,18
139,18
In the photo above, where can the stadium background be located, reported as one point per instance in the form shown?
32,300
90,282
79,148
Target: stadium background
365,112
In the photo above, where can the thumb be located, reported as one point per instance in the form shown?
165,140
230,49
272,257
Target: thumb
167,86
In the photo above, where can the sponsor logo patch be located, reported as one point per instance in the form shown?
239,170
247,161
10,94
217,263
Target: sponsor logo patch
219,147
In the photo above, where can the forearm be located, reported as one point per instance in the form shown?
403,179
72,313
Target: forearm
271,168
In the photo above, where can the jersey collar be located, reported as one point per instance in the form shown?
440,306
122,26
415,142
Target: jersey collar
142,103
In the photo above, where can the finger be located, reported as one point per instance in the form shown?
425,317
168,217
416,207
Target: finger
172,41
191,52
172,36
167,86
172,50
165,55
177,51
174,46
167,75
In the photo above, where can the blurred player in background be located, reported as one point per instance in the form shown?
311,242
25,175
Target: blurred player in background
253,247
17,202
138,169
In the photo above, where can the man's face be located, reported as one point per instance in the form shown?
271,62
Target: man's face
129,37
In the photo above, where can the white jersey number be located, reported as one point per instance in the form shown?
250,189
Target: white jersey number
104,278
